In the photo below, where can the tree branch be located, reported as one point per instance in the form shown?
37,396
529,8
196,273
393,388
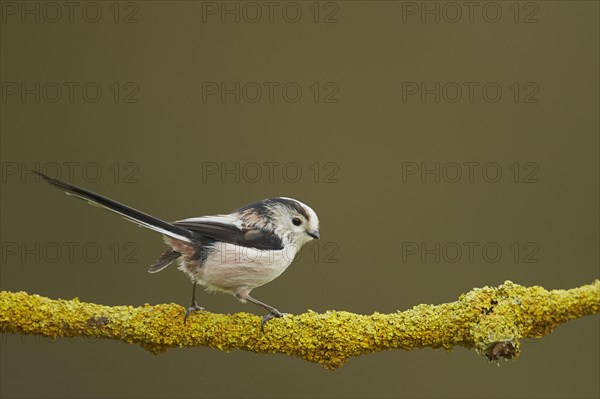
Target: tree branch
491,319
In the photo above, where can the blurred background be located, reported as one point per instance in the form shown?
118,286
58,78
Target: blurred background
444,146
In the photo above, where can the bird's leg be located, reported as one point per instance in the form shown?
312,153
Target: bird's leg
273,313
193,305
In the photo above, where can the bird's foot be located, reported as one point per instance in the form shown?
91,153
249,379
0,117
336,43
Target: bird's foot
193,308
274,314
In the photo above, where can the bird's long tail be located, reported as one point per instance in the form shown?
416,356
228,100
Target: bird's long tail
133,215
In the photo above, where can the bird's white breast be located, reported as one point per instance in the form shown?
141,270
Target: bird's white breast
231,267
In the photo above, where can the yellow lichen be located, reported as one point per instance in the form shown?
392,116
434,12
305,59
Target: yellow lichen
491,320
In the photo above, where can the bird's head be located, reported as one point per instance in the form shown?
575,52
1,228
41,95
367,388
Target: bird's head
294,221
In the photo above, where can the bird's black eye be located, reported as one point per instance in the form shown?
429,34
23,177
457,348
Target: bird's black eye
296,221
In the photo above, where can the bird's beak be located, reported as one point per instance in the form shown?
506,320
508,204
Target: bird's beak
314,234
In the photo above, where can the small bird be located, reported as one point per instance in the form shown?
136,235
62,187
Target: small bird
232,253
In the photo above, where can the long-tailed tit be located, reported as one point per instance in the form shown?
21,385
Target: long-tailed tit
232,253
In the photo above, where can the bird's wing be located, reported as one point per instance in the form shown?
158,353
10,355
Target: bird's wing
227,228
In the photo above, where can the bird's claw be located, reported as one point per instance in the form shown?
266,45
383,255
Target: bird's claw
267,317
193,308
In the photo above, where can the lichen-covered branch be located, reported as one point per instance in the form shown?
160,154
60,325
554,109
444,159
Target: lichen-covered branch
491,319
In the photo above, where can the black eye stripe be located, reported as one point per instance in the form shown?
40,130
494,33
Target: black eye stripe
264,207
292,205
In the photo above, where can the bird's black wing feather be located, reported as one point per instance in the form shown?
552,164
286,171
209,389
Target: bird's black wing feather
246,237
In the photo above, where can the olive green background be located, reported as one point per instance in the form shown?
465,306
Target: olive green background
162,144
